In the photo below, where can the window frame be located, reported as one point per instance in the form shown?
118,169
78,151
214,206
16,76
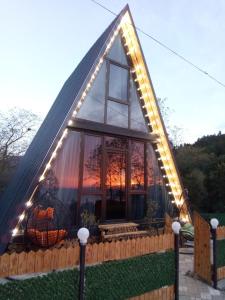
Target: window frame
115,63
102,192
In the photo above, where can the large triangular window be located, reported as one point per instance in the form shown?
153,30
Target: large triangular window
93,108
113,98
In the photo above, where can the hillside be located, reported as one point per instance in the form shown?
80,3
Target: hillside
202,168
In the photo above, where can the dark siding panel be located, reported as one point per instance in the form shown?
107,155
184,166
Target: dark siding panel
17,192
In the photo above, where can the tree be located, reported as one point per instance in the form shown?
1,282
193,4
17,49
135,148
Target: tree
17,127
202,167
175,133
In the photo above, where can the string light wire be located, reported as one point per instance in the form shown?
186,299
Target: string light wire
196,67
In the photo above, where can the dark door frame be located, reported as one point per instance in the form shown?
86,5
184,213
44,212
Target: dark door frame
102,193
122,151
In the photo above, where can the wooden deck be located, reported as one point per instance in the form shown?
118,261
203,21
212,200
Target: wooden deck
120,230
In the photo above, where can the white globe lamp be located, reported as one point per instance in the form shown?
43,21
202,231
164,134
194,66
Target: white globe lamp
214,223
83,235
176,227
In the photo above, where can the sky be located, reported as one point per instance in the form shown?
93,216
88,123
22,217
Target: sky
41,43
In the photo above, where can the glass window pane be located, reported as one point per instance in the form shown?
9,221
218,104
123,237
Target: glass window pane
94,105
61,183
117,114
138,207
92,163
117,52
115,185
157,198
115,143
137,121
137,166
118,80
90,210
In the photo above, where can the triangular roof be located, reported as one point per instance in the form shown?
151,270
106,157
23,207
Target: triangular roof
53,130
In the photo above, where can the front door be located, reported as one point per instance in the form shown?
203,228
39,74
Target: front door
115,184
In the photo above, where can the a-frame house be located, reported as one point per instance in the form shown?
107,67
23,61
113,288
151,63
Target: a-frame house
103,147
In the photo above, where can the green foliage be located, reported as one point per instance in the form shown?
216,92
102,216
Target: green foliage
212,143
219,216
220,253
112,280
202,168
88,219
152,207
60,285
131,277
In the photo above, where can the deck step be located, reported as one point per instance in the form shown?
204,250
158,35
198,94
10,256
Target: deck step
125,234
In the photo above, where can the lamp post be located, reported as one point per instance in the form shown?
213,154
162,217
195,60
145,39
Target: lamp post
176,229
82,234
214,224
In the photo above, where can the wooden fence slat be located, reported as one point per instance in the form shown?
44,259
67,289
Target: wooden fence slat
22,263
100,252
4,270
155,243
67,257
39,261
47,261
13,264
31,262
128,248
220,232
89,254
106,251
142,246
71,258
137,247
202,263
133,247
62,258
123,249
55,259
160,243
94,253
150,245
117,250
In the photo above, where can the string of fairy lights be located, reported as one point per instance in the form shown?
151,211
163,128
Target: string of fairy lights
148,105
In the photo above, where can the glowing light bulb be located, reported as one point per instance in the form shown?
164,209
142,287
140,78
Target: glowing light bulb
15,231
65,132
41,178
59,144
70,122
48,166
28,203
22,216
149,114
54,154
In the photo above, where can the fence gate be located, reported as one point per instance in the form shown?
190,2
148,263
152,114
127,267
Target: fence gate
202,263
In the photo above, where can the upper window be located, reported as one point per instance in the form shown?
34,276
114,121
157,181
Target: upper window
117,52
118,82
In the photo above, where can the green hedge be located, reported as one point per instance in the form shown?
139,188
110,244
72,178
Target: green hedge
111,280
131,277
220,253
60,285
219,216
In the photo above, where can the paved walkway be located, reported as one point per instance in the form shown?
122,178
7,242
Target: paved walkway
192,288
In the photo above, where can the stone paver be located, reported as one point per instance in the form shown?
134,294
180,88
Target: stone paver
192,288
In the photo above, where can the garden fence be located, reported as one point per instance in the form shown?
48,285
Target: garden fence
56,259
203,250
